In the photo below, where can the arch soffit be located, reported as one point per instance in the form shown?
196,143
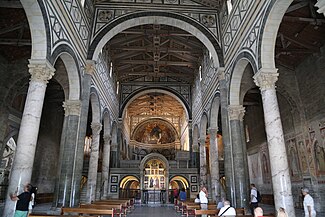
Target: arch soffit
153,119
153,156
128,178
114,133
214,111
181,178
269,33
158,17
143,91
203,125
107,122
241,62
36,25
95,105
69,61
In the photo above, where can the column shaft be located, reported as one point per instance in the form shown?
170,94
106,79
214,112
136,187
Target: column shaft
105,166
22,167
214,165
93,163
278,156
203,164
228,164
79,150
236,114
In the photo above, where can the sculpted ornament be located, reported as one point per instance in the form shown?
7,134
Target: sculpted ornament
105,16
41,71
209,20
236,112
72,107
266,80
96,128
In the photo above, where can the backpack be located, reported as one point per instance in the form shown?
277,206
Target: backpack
259,197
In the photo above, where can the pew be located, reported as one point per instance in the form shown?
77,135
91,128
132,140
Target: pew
81,211
117,208
210,212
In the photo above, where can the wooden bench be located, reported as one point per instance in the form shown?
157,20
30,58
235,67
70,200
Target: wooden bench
211,212
88,211
117,208
240,211
123,203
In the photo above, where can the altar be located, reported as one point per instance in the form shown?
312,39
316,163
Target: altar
154,197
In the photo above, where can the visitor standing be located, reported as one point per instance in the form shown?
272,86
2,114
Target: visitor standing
308,203
253,198
182,195
203,199
23,200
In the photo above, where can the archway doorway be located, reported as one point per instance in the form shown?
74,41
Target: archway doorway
130,187
177,184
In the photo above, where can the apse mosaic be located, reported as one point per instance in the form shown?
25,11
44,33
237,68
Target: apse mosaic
155,132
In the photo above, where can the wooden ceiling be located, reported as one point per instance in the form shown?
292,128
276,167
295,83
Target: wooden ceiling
301,33
154,105
15,39
155,51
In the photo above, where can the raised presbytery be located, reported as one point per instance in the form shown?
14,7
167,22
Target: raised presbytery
113,99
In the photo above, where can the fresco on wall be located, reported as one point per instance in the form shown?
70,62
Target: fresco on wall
302,157
310,152
293,159
266,169
319,154
255,173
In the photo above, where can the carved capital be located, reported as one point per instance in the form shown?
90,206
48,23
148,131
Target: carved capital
266,78
107,138
96,128
213,131
90,67
236,112
72,107
41,70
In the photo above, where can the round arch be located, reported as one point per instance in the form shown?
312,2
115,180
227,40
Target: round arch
180,179
203,126
125,181
143,91
36,25
242,61
158,17
269,33
153,156
214,111
95,106
73,92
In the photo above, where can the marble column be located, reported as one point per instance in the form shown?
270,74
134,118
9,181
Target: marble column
89,71
69,140
236,114
93,162
228,163
214,165
203,164
105,165
281,181
41,71
195,154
